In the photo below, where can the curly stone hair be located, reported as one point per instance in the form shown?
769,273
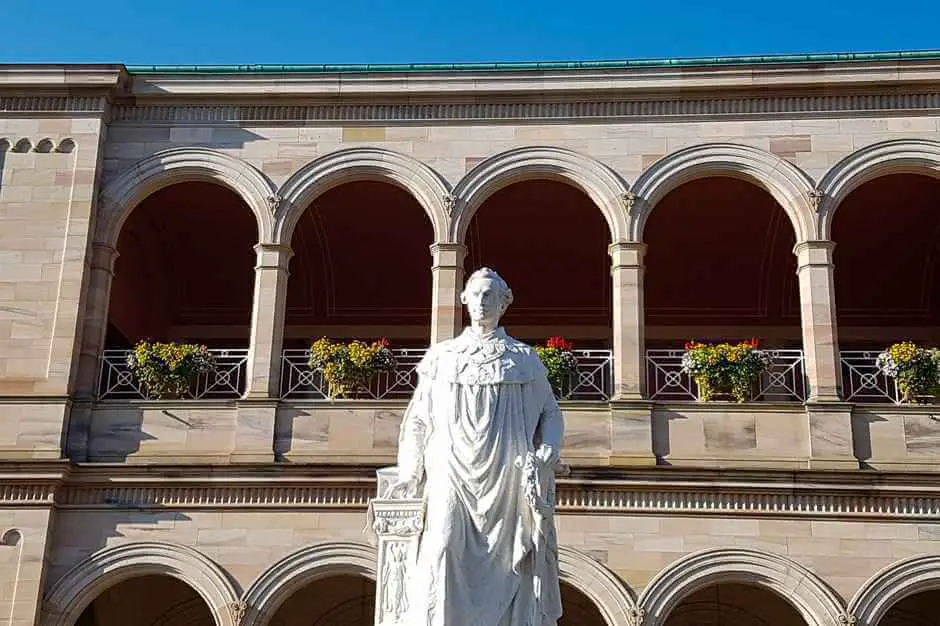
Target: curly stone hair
485,272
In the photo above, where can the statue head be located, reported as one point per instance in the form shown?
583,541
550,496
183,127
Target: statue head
486,296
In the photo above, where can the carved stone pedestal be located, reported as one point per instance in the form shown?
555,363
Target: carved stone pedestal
397,525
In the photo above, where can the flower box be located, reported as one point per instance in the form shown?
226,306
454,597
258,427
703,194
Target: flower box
349,368
914,369
558,357
169,370
725,370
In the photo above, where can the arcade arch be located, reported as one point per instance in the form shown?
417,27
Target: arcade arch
549,241
887,261
809,596
191,575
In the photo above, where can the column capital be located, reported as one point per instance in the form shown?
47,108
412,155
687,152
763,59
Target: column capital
814,252
273,255
627,253
103,257
447,254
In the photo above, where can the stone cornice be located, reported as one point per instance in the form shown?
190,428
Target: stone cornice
813,495
540,82
583,106
60,77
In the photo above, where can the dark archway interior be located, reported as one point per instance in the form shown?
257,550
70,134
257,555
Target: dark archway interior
578,609
148,601
345,600
361,268
549,241
920,609
186,269
887,236
720,266
732,604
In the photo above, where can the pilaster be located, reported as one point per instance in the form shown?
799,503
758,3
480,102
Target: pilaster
448,275
267,320
628,320
818,314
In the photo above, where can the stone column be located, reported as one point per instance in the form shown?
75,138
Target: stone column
629,345
397,525
267,320
95,321
447,272
818,313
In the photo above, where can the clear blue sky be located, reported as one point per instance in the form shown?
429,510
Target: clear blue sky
408,31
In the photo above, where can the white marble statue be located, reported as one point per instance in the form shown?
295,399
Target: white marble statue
480,440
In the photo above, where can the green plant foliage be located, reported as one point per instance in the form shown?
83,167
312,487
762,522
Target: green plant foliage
349,367
167,370
725,368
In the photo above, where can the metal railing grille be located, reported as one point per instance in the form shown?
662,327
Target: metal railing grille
785,381
862,381
300,381
116,381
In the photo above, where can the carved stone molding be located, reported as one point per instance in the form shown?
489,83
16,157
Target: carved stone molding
704,107
52,104
787,183
891,584
68,597
816,602
866,164
123,192
598,181
573,496
328,495
12,494
44,145
402,518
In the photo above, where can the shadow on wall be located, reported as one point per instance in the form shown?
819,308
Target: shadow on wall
4,146
660,433
115,519
861,437
131,143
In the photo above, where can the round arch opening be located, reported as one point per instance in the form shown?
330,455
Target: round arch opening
150,600
919,609
734,604
549,241
578,609
887,262
719,266
361,268
184,273
338,600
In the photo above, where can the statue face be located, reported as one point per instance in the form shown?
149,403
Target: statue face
485,301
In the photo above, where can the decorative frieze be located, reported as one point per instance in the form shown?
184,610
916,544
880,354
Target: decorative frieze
227,496
52,104
659,497
645,108
25,494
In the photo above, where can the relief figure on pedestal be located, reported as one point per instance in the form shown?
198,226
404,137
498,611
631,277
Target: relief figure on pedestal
479,442
394,593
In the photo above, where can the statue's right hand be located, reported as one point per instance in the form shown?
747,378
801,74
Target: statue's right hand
403,490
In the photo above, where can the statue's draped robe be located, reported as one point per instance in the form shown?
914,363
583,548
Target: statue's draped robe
488,555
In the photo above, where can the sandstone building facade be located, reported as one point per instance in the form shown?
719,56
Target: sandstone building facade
632,206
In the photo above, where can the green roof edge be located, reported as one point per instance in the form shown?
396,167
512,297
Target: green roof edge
535,66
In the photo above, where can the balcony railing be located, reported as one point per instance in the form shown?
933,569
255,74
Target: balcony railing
862,381
785,381
300,381
116,381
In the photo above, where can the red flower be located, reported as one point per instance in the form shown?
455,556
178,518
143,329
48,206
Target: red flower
383,342
754,343
559,343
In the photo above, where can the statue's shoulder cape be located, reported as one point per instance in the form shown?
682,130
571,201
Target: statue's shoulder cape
467,360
